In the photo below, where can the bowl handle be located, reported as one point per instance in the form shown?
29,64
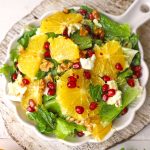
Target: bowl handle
137,14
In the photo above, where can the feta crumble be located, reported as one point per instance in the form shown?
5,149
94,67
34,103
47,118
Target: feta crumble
88,63
73,28
117,98
97,23
16,90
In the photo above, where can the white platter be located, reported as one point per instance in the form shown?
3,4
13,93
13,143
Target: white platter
135,17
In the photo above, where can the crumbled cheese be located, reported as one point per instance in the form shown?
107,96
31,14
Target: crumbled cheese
16,90
88,63
117,98
97,23
73,28
38,31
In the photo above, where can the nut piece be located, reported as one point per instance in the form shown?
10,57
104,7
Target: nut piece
95,14
42,84
99,32
83,54
48,78
63,67
46,65
66,11
83,32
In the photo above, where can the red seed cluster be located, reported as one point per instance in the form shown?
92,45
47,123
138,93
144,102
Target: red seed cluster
118,66
25,81
106,78
14,76
79,109
83,12
87,74
52,88
72,82
124,111
137,70
47,48
32,105
90,53
93,105
76,65
131,82
65,32
80,133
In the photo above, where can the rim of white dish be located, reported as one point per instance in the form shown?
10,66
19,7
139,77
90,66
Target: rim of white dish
133,109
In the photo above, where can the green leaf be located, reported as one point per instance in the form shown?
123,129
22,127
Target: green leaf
89,23
136,60
53,106
97,41
88,9
84,42
49,117
72,11
7,70
109,112
52,35
24,40
65,129
114,30
14,54
47,98
45,121
41,74
95,92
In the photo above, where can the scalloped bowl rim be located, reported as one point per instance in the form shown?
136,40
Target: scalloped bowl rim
132,109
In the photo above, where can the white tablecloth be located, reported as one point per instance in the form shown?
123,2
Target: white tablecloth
12,11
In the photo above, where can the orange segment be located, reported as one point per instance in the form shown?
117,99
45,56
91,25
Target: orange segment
33,92
28,64
63,49
58,21
36,43
69,98
107,57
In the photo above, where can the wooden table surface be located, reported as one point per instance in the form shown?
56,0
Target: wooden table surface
12,11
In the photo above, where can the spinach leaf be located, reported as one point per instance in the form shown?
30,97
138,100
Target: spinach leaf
72,11
136,60
89,10
95,92
84,42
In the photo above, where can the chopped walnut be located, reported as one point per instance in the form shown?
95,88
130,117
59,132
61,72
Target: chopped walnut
42,84
95,14
83,31
99,32
63,67
48,78
46,65
66,11
83,54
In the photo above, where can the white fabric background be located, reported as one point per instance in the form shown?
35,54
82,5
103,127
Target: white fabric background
10,12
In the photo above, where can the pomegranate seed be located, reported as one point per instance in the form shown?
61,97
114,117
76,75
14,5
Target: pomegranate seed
138,74
14,76
105,97
79,109
87,28
118,66
137,68
105,87
90,53
71,84
111,92
32,103
47,54
131,82
51,85
93,105
83,12
51,92
91,17
80,133
46,45
25,81
124,111
76,65
87,74
31,109
65,32
72,79
106,78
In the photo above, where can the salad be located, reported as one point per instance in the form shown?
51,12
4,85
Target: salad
75,73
